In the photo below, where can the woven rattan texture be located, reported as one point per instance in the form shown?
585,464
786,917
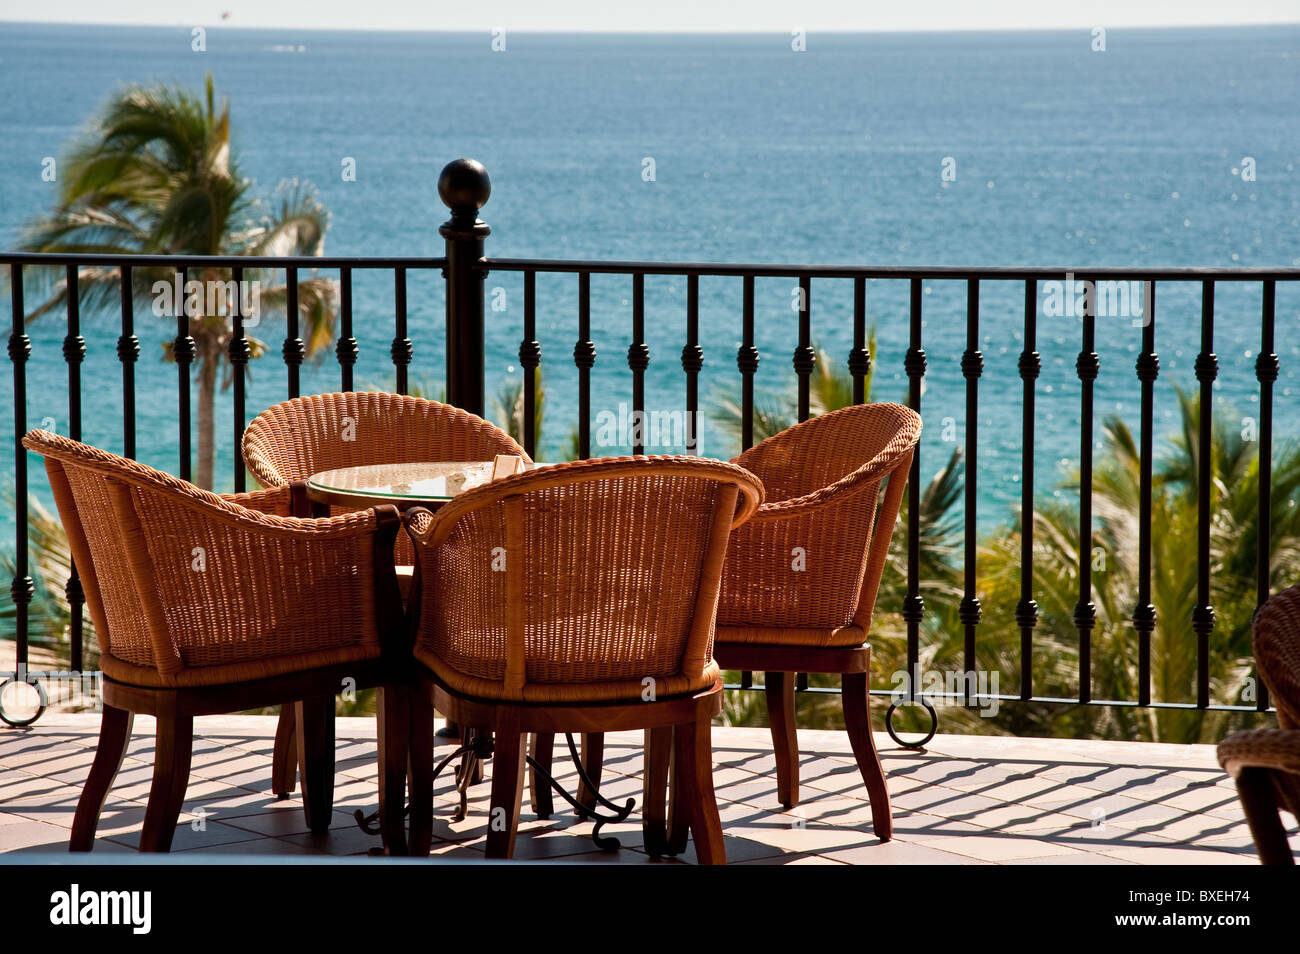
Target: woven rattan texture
611,574
801,563
319,432
193,587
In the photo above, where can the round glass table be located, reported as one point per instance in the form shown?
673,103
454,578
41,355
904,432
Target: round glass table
427,484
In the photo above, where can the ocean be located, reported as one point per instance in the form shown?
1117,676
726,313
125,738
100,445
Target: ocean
1168,148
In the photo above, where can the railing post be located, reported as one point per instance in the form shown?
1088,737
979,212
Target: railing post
464,188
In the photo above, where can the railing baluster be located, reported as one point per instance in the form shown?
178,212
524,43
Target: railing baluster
346,349
1030,365
860,356
293,350
584,356
804,356
183,350
972,366
402,350
128,351
1266,369
1144,613
638,359
22,589
692,361
914,603
1207,369
530,357
747,363
1087,366
805,359
240,351
74,353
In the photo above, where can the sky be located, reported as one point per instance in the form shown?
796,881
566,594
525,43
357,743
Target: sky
664,16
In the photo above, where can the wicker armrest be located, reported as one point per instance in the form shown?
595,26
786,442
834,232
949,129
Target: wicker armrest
234,509
419,523
862,478
1277,749
274,500
823,498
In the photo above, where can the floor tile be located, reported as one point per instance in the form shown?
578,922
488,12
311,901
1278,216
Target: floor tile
964,800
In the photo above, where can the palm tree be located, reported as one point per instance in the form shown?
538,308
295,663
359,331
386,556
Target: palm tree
155,175
508,409
1234,531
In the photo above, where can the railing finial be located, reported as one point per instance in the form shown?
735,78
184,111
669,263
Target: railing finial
464,187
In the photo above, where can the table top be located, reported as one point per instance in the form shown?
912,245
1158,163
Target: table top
404,484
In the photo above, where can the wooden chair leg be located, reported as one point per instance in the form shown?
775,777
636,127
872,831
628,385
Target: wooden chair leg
394,736
421,774
779,689
541,746
654,813
679,816
857,720
314,718
284,758
592,753
173,749
507,786
693,748
114,737
1259,802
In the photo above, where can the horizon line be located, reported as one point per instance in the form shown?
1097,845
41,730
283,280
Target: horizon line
469,31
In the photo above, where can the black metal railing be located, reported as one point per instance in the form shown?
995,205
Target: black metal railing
293,353
464,188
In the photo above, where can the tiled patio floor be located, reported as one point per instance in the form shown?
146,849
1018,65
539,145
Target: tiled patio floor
966,800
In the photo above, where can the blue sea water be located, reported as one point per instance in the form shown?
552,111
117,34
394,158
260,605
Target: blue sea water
1064,157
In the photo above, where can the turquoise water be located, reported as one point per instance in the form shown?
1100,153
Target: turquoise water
1064,157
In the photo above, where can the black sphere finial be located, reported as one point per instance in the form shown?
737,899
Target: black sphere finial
464,186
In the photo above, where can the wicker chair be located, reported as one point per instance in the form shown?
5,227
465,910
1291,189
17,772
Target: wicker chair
600,618
204,605
287,443
1266,762
800,581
